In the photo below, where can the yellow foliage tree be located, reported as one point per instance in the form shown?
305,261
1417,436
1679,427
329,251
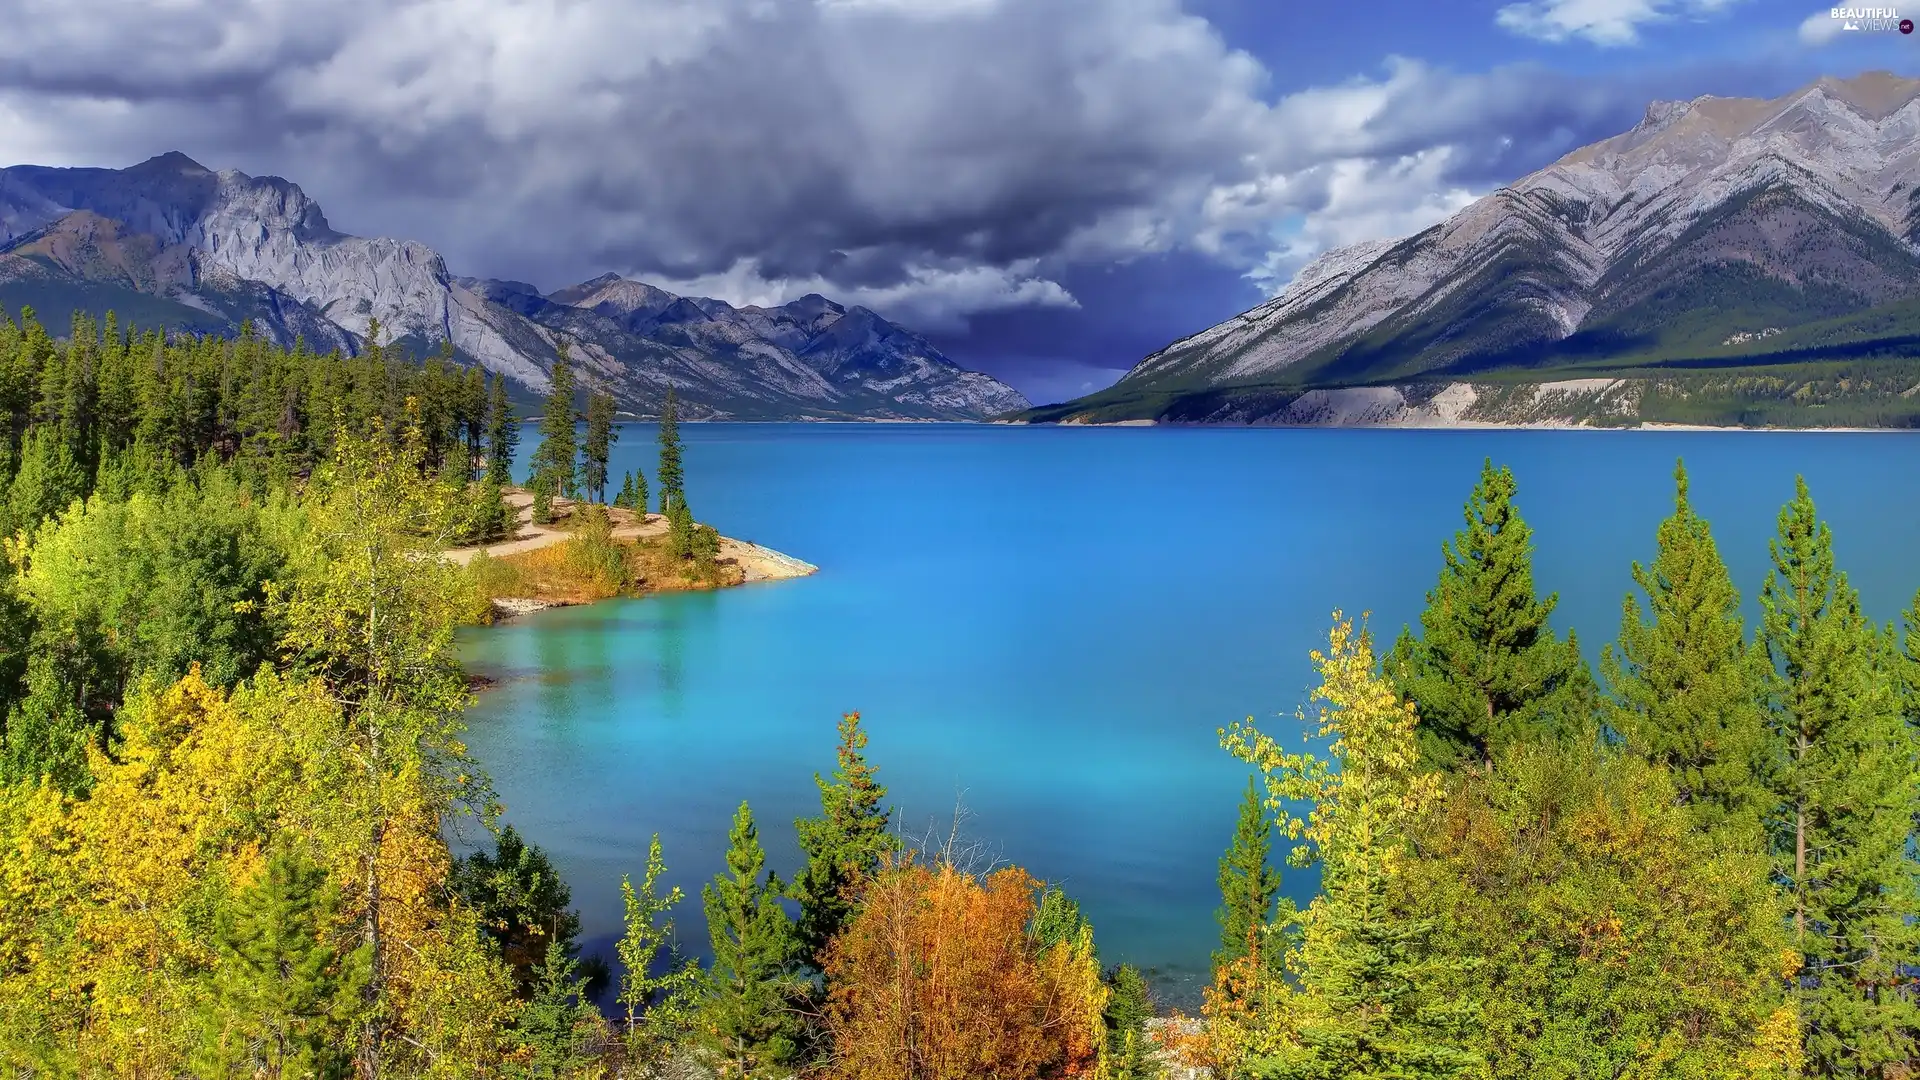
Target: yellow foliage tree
1359,993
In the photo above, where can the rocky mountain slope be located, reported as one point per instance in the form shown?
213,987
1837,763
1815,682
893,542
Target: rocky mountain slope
1719,231
171,243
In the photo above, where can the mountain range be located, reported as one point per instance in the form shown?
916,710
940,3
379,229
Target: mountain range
171,244
1718,234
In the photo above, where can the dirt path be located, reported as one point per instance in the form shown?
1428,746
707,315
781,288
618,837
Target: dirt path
759,563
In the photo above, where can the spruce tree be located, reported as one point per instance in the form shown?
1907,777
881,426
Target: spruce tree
672,478
756,953
556,1026
473,420
284,998
846,844
553,459
601,435
680,528
49,478
1845,790
523,902
503,434
1487,669
1248,884
1687,693
633,493
1129,1007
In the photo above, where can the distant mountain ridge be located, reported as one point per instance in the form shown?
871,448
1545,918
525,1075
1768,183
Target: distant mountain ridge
1718,231
171,243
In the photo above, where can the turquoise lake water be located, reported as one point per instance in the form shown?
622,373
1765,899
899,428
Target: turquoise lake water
1046,626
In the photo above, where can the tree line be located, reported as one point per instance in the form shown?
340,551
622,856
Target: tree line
1700,864
232,742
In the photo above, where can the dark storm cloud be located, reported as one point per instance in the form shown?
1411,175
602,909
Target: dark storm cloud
933,158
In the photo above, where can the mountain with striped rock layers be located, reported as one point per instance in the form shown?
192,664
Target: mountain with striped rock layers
1727,261
171,244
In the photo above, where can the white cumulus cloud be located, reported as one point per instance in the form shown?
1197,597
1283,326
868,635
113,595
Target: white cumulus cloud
1603,22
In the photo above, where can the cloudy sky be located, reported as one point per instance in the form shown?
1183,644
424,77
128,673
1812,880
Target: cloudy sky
1049,188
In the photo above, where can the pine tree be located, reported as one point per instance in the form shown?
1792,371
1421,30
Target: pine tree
846,844
556,1026
1487,669
755,954
680,527
284,997
49,479
672,479
1688,693
553,459
522,901
658,1005
1846,789
633,493
1129,1007
601,435
473,420
1248,885
503,434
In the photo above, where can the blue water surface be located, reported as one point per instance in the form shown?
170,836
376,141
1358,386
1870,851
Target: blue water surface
1045,627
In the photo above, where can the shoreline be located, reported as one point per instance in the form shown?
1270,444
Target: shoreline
1464,425
755,562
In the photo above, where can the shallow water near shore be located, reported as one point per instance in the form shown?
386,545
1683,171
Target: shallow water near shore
1046,627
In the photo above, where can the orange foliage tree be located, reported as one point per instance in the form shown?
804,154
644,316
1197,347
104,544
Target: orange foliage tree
939,977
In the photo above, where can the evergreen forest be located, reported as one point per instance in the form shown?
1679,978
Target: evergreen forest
231,749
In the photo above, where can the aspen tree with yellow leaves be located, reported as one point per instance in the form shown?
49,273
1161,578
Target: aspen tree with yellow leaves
1364,981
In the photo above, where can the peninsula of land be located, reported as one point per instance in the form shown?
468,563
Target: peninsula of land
571,559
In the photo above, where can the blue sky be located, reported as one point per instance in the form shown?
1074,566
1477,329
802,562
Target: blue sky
1050,189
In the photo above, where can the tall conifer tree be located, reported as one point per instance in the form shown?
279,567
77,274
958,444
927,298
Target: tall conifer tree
503,433
284,997
473,419
1845,797
844,845
553,459
672,478
601,435
1487,669
1248,883
1687,692
753,979
633,493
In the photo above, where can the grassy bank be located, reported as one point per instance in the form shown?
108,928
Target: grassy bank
596,553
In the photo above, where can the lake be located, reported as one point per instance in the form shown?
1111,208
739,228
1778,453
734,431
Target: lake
1045,627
